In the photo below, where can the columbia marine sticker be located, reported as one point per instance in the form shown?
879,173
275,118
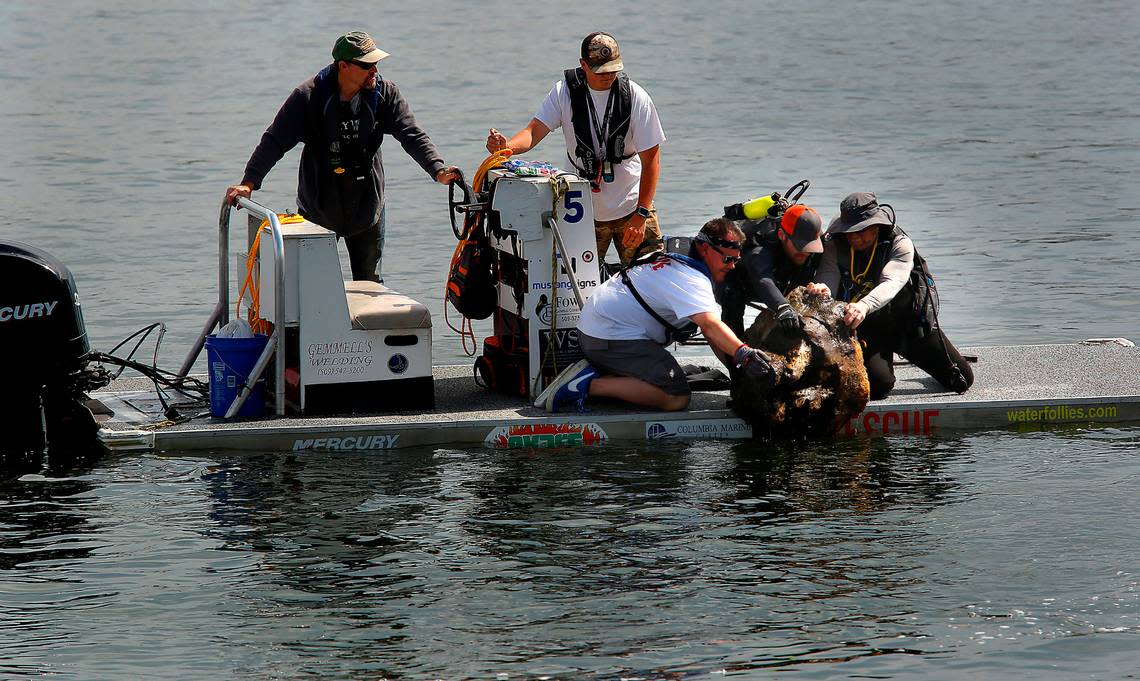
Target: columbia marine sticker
698,428
545,435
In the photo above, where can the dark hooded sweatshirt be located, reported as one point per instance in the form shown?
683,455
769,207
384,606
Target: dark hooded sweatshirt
349,201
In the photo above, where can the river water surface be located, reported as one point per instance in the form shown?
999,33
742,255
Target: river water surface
1006,136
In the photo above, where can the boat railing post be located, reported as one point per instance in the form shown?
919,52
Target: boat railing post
276,344
221,315
566,264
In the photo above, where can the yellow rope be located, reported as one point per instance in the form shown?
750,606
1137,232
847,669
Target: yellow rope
858,278
493,161
252,281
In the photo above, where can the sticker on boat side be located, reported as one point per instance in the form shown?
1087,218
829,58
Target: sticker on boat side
917,422
693,429
351,443
1061,413
545,435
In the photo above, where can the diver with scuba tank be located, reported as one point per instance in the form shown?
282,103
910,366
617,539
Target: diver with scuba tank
891,299
781,252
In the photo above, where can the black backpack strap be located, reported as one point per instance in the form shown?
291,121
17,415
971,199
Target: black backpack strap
584,153
619,120
671,332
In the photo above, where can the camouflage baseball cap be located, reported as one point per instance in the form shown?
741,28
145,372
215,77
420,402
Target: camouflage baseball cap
601,54
357,46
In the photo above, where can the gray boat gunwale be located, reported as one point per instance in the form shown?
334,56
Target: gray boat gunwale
1078,377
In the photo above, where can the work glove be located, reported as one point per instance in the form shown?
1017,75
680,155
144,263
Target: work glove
752,362
789,319
958,382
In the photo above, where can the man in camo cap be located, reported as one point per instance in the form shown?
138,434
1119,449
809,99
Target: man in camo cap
613,139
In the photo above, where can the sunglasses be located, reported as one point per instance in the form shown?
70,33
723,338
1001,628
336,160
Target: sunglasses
363,65
728,259
717,243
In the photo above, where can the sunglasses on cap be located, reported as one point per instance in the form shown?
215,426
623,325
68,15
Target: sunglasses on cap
717,243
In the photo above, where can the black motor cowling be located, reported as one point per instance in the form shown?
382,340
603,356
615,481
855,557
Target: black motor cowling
44,345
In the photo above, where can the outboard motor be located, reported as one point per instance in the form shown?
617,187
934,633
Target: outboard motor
44,346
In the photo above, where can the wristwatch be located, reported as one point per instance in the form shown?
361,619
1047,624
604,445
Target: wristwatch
643,212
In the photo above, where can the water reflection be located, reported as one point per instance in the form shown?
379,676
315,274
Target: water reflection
44,528
43,519
862,475
559,560
334,537
827,545
579,517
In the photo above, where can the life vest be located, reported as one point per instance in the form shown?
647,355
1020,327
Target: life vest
325,97
614,125
673,334
916,304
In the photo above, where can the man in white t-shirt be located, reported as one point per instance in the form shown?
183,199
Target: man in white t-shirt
613,139
629,319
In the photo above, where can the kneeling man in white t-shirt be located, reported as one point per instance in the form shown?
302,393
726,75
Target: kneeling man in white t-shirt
628,321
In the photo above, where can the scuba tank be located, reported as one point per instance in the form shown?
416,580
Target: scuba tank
756,209
762,214
770,206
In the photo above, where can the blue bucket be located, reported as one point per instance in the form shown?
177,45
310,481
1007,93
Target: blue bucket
230,362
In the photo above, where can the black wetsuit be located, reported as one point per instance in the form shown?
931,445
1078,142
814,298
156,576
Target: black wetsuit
764,274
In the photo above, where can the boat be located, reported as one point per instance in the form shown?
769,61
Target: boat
349,364
1093,383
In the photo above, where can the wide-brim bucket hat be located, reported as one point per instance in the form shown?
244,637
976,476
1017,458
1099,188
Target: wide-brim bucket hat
858,211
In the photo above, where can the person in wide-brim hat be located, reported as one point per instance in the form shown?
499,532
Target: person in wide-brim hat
872,266
857,212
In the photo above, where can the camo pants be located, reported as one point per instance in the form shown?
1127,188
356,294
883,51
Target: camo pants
613,230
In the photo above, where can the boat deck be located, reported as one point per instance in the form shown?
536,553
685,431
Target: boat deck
1026,386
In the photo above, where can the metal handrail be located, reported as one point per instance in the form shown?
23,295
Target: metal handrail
552,224
221,315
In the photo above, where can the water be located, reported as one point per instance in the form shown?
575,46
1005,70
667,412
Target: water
999,554
1006,137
